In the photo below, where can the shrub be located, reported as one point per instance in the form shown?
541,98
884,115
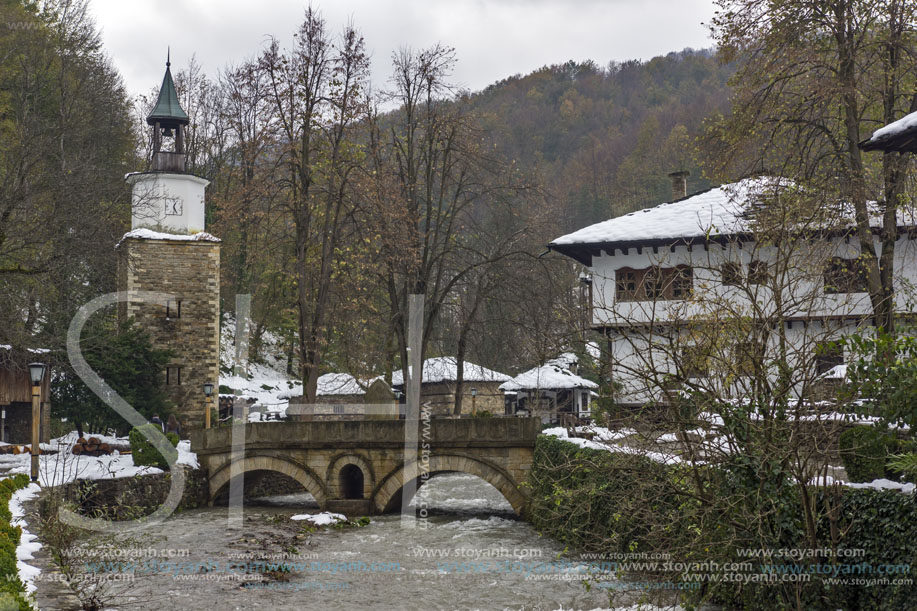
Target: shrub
865,450
905,464
12,590
606,502
145,453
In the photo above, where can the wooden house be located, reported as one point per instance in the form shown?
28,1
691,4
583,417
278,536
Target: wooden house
16,396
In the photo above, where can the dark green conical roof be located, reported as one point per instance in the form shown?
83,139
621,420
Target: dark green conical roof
168,112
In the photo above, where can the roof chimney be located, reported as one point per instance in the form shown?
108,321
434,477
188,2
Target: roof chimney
679,184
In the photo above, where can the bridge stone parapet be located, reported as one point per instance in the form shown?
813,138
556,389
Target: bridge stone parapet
361,466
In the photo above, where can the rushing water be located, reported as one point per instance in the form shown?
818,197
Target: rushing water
379,566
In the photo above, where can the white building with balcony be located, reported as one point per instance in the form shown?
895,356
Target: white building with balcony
701,289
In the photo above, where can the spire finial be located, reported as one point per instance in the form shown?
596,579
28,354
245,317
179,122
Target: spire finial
168,56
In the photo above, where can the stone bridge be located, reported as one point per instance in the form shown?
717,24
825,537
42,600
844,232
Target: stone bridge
359,466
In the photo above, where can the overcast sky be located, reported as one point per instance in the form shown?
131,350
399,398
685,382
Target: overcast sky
493,38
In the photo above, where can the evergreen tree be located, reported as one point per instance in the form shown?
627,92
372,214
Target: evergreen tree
123,356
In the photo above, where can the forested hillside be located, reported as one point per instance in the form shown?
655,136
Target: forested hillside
604,139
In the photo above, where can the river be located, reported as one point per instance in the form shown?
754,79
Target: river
471,552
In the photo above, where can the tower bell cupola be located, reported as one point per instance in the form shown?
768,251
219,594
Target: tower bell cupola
168,121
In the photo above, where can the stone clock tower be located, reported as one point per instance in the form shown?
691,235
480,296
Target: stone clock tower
168,251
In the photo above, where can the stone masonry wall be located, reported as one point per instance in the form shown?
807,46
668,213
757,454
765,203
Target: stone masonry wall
190,271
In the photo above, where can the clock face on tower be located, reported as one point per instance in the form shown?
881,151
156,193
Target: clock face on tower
173,206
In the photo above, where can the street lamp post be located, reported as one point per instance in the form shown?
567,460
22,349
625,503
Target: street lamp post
208,393
37,374
474,401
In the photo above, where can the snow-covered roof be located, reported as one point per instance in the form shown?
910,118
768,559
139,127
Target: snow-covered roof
338,384
900,135
721,211
549,376
149,234
445,369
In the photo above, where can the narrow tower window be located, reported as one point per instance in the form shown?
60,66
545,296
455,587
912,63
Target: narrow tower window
173,376
173,308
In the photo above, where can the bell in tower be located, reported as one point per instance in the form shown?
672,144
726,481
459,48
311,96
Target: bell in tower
168,121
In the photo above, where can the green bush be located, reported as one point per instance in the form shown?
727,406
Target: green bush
156,454
865,451
599,501
12,590
905,464
882,524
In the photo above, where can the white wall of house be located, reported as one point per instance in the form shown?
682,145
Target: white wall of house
804,294
635,348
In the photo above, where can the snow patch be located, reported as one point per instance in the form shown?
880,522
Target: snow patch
64,467
325,518
876,484
28,543
149,234
605,441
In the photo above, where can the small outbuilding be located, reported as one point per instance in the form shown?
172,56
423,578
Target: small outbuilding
549,391
438,384
342,396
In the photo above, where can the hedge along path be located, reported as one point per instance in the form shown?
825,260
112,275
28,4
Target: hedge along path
12,590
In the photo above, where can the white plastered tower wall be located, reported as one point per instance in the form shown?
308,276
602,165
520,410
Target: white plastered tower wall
167,202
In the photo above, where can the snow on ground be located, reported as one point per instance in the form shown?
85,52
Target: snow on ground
185,455
876,484
263,384
28,543
64,467
324,518
266,383
604,440
609,437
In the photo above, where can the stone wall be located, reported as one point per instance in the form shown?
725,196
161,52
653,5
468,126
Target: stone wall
119,499
441,397
190,271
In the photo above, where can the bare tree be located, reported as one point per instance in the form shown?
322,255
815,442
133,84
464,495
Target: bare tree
318,90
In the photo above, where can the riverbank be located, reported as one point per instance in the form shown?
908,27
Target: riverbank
640,513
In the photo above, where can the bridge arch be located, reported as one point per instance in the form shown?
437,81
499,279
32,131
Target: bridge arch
303,475
340,462
387,497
